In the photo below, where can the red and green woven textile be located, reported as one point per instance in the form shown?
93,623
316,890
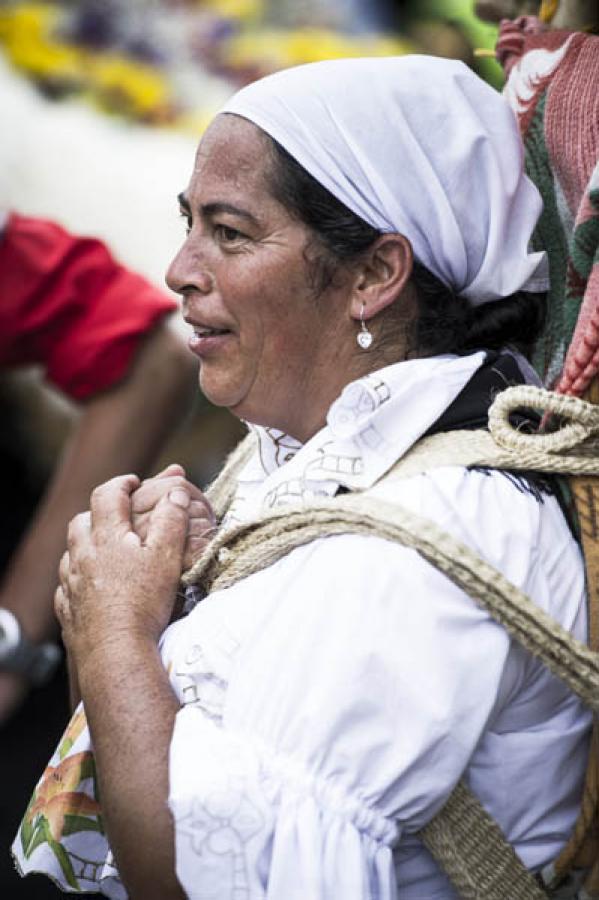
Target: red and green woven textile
553,87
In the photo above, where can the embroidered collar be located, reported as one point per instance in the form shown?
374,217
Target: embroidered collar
374,421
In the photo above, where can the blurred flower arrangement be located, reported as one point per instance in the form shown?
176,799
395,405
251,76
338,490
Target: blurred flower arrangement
36,40
173,62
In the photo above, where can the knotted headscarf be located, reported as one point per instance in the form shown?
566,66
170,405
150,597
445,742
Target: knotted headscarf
415,145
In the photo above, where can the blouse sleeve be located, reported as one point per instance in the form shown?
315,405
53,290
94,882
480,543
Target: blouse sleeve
348,718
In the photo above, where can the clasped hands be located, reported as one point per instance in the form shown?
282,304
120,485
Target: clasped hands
120,574
201,521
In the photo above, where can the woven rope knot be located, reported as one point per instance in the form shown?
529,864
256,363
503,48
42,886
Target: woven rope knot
582,420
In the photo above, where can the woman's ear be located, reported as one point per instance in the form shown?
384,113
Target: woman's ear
382,275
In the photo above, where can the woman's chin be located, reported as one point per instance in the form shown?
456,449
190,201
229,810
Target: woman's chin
221,391
241,397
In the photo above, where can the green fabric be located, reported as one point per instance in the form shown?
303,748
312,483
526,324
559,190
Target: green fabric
549,235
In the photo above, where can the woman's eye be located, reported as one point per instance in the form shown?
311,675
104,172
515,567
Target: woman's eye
187,218
227,234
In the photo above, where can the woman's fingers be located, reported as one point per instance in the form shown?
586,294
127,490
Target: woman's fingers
199,533
150,492
79,527
200,526
146,498
199,520
172,469
110,575
194,548
167,529
63,567
60,604
110,506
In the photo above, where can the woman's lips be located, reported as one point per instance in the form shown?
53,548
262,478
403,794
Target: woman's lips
205,340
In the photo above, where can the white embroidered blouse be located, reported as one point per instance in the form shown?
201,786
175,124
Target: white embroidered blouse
331,702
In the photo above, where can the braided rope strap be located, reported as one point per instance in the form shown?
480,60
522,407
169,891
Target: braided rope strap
222,490
571,450
581,853
462,837
254,546
464,832
539,451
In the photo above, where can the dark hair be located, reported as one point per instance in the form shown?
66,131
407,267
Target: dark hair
341,235
445,323
448,323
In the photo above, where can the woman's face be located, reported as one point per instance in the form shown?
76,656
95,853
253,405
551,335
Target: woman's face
266,344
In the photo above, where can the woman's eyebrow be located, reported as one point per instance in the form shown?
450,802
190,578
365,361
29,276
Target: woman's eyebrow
212,209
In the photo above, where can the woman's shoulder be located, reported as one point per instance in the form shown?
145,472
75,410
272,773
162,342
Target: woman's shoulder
516,525
519,532
480,506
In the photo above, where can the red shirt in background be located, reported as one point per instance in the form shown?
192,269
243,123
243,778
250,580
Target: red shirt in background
66,304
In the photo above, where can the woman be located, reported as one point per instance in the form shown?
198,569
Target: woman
357,230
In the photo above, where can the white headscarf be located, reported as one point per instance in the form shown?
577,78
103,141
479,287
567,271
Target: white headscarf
416,145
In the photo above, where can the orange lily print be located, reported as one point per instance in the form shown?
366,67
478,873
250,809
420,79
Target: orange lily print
59,807
74,729
56,797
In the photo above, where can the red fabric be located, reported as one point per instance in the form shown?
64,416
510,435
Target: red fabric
67,304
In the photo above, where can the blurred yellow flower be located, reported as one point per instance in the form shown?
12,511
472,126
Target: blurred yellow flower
271,49
195,122
142,91
548,10
133,88
26,32
235,9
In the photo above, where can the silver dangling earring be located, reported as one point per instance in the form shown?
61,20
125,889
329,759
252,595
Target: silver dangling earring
364,337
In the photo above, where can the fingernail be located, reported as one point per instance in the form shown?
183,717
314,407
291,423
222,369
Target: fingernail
179,497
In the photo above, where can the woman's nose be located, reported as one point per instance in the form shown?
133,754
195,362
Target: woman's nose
187,273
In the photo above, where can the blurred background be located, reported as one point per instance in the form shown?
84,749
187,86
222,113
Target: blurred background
103,102
102,105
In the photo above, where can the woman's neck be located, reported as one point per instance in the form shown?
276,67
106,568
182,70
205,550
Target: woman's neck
305,416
